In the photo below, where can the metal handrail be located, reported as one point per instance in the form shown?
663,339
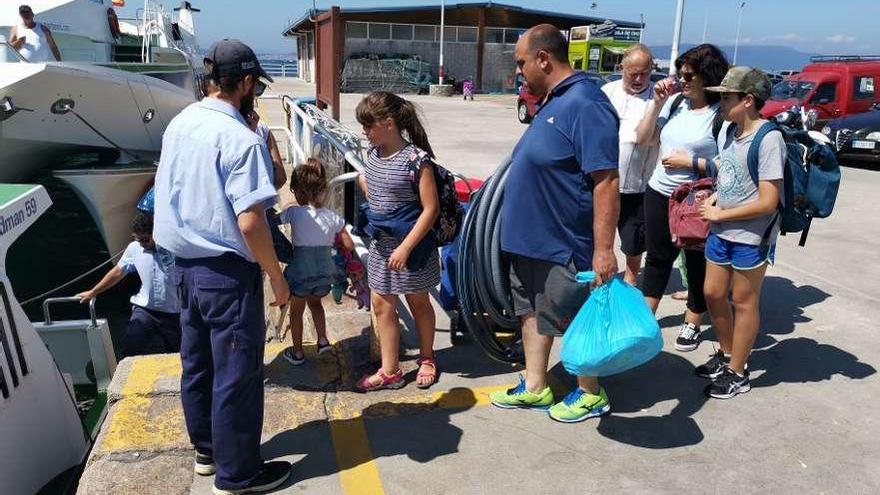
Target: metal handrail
4,41
52,300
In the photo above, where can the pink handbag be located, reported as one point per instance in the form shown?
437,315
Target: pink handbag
689,229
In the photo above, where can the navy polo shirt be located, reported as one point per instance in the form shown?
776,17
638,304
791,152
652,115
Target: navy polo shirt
547,211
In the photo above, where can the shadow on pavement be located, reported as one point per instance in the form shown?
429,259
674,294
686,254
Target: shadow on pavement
391,427
667,377
783,304
803,360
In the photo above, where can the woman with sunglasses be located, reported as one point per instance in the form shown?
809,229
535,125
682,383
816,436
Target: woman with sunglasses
685,128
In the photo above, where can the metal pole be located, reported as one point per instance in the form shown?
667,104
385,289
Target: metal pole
738,27
705,25
442,32
676,36
642,31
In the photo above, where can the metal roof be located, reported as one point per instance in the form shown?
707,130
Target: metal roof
311,14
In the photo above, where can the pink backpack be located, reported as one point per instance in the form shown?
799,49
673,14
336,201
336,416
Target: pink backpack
689,229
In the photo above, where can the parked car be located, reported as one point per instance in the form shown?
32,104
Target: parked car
775,78
856,137
835,86
527,103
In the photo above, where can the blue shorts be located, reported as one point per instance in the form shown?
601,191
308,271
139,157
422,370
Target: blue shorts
311,271
738,255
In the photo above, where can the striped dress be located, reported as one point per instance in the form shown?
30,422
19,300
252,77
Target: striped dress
389,186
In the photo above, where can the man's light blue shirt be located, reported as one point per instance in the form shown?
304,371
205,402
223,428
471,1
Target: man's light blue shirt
213,167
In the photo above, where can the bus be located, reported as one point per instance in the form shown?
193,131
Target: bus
599,48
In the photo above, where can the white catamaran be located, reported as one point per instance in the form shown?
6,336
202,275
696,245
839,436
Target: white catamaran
119,84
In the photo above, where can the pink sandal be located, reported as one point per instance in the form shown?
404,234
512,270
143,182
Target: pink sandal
393,381
433,374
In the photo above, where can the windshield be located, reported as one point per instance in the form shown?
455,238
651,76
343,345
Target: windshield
791,90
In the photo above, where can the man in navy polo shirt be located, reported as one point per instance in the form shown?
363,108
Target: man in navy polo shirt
561,205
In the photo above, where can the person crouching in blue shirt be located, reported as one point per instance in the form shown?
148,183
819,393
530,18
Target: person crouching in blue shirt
154,325
212,188
560,211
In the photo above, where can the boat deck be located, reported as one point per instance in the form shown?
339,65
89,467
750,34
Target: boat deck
810,424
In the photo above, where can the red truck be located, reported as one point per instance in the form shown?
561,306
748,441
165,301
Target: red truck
835,86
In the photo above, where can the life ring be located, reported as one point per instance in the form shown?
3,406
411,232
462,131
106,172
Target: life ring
113,22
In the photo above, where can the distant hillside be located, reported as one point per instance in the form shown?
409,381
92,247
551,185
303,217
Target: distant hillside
764,57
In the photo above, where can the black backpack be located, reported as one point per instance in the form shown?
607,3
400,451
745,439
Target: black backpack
451,213
717,122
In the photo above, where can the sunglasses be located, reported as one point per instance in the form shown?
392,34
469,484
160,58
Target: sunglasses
687,76
260,88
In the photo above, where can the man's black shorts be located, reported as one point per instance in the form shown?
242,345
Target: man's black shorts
548,290
631,224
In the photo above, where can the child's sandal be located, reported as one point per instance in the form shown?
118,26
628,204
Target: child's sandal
422,374
393,381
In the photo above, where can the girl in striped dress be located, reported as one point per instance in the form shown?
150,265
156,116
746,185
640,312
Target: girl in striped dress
399,178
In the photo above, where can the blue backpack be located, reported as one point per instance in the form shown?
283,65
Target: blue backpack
811,179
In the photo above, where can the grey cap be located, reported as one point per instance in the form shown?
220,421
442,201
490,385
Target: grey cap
229,58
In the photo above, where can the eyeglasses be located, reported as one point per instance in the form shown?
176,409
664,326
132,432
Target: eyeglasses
687,76
260,88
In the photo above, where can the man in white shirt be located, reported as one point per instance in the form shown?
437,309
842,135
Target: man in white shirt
630,97
33,40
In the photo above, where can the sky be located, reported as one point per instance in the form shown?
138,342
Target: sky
815,26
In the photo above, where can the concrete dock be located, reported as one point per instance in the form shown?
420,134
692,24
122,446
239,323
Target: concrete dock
810,424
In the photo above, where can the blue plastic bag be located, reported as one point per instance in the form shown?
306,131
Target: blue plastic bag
614,331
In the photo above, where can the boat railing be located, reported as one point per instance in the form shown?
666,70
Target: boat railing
6,51
280,69
311,133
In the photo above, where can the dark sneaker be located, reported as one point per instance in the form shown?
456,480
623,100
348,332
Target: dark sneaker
728,385
688,337
324,347
204,464
272,475
713,367
293,357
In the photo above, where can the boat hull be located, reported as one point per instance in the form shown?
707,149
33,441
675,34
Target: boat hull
129,109
110,194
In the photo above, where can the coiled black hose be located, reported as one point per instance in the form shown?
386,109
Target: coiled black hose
482,272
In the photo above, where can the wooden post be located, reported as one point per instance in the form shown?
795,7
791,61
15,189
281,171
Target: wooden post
481,46
330,45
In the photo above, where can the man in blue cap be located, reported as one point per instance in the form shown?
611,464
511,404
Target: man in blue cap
212,187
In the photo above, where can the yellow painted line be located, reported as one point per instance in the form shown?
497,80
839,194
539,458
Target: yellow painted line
358,472
135,425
